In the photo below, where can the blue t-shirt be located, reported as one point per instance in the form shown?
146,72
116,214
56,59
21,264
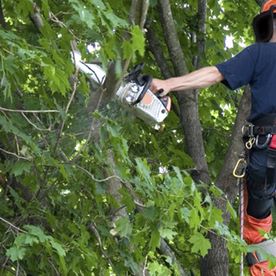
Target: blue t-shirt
256,66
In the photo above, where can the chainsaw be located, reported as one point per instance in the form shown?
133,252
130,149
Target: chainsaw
134,92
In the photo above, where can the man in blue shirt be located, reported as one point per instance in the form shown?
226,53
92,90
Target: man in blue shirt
256,66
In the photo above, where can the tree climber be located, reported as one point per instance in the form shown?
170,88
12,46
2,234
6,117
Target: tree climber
256,66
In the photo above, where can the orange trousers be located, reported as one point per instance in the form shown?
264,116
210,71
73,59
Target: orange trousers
252,235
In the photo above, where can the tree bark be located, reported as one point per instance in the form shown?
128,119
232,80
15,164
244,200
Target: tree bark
202,14
188,100
216,262
2,17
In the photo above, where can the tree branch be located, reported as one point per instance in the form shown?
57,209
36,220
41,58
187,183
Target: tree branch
27,111
171,38
217,256
12,225
36,17
226,180
156,49
188,100
202,13
2,17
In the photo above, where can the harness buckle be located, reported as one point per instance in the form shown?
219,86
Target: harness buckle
239,170
248,130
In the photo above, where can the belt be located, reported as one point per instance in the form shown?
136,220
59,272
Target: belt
252,130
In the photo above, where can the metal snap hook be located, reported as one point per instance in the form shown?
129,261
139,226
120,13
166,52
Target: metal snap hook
264,145
249,144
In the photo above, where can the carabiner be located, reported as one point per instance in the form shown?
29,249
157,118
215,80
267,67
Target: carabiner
249,144
241,162
264,145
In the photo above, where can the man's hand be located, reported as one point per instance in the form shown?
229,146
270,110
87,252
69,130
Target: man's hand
160,87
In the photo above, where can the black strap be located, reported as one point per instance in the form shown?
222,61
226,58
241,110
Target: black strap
264,130
254,130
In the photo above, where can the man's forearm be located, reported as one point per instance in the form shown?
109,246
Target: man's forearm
201,78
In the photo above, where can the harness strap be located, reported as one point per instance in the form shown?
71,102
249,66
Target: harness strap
263,249
251,130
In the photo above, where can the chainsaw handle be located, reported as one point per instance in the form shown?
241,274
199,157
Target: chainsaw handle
147,80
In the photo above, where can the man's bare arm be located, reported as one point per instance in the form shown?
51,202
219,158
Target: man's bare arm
201,78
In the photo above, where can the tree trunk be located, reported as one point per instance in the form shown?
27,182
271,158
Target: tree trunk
216,262
188,100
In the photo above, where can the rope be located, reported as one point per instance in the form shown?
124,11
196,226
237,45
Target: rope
239,173
241,207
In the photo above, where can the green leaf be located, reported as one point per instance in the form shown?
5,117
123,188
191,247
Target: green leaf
154,239
123,227
167,233
157,269
37,232
58,247
144,171
138,40
185,214
195,219
231,210
215,216
30,240
127,49
15,253
21,167
200,244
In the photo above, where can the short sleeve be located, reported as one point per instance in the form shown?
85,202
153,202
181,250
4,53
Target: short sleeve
239,70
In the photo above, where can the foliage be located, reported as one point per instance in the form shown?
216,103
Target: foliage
55,178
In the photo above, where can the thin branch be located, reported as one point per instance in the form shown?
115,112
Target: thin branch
95,179
54,19
36,17
15,155
92,227
27,111
145,267
53,266
12,225
17,269
31,123
144,13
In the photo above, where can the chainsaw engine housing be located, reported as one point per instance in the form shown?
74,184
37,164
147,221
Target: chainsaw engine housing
134,93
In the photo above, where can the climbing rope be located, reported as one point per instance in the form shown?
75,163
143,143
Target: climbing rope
239,173
241,211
